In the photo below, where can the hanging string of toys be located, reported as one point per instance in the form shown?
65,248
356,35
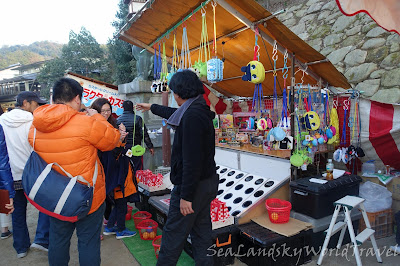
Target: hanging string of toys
200,66
254,72
175,59
284,122
275,96
215,66
186,62
156,87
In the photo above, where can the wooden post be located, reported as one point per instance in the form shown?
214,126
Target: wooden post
166,136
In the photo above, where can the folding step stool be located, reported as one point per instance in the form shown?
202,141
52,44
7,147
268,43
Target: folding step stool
348,203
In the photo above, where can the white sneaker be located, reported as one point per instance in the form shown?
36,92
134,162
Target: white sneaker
40,247
395,249
22,255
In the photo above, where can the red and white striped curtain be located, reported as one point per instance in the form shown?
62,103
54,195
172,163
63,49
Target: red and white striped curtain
386,13
380,132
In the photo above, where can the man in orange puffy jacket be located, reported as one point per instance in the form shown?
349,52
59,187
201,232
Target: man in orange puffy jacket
70,138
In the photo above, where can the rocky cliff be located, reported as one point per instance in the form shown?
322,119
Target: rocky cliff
365,53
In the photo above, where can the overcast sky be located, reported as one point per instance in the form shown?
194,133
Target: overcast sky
27,21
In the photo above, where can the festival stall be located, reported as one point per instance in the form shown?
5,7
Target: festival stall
276,113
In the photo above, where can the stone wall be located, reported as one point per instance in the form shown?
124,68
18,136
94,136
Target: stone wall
365,53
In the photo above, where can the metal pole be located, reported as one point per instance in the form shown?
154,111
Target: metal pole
166,137
278,69
293,169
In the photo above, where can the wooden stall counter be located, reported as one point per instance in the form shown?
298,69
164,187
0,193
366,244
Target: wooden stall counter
284,154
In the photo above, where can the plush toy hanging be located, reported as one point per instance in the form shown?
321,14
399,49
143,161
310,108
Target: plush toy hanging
334,126
310,119
299,156
255,73
200,66
215,66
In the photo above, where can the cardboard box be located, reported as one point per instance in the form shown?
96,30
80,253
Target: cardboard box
395,206
394,187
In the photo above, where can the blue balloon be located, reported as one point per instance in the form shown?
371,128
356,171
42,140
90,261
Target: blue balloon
315,142
329,133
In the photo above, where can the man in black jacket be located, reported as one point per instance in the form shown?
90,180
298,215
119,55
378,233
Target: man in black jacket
128,119
193,170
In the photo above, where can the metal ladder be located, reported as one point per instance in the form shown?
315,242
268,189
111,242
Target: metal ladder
348,203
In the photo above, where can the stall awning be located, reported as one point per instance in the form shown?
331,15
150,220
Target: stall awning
234,29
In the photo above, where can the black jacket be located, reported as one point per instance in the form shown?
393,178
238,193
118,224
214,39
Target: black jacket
127,118
193,150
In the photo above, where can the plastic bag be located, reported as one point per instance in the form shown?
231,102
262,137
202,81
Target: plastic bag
377,197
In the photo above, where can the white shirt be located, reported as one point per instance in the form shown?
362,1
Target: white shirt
16,125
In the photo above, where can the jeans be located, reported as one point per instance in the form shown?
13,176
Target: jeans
118,214
20,228
198,224
88,230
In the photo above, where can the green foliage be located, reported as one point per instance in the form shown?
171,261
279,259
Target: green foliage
27,54
82,55
121,61
52,71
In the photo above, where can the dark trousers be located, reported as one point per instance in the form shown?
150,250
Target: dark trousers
137,163
88,230
118,214
20,229
107,212
198,224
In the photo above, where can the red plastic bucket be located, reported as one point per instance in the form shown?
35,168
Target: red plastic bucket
140,216
278,210
147,229
157,245
128,215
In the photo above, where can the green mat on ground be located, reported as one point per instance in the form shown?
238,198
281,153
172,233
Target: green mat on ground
143,250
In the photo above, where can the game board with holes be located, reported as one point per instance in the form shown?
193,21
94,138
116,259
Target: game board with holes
242,190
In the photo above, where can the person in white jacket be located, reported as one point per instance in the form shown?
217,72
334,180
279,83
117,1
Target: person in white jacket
16,125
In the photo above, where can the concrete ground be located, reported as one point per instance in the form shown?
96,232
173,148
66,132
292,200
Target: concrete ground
114,252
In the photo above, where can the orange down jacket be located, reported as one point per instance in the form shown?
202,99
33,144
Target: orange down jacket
71,139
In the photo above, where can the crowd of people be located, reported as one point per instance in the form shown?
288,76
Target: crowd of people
81,139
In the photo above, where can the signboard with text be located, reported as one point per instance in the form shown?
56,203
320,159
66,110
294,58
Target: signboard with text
93,90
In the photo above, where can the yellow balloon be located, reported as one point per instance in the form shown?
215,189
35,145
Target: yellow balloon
334,122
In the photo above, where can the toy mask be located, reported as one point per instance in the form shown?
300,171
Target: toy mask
254,72
262,124
311,120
